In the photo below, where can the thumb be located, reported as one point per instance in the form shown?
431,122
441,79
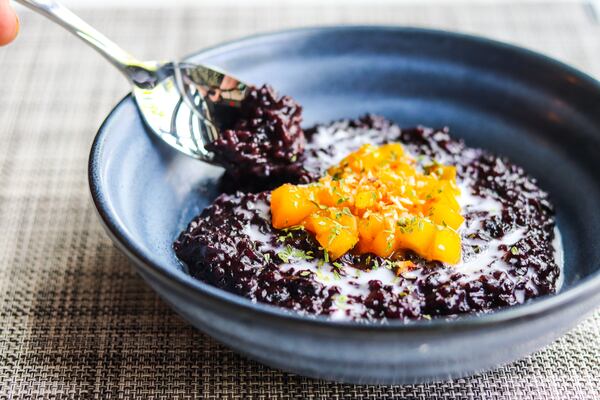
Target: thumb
9,23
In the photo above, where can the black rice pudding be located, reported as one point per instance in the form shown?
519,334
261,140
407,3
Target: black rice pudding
507,249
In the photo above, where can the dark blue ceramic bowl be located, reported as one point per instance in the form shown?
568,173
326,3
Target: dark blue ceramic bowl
542,114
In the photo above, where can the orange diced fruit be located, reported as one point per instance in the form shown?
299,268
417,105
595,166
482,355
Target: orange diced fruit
443,172
330,217
383,244
417,236
403,266
325,196
337,241
369,227
316,223
363,247
290,205
349,221
331,196
336,237
392,151
448,172
336,216
441,214
445,246
365,199
449,200
449,187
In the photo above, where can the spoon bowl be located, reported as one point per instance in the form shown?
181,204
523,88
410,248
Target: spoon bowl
185,104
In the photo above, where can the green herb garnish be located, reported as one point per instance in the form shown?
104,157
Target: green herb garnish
337,265
290,253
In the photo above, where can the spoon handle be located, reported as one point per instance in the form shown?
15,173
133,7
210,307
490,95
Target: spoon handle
60,14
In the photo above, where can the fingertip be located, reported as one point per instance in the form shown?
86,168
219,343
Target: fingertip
9,24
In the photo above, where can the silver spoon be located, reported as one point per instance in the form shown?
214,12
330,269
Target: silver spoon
183,103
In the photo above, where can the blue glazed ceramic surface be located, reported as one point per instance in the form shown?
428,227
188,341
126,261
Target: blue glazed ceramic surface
542,114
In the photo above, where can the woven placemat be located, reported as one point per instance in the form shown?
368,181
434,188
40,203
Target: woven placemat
75,319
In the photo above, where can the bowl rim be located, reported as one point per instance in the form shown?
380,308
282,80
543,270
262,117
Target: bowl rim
541,306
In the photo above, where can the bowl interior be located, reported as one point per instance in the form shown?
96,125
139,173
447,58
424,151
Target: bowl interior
541,114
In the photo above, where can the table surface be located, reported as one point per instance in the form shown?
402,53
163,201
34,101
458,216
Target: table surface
75,319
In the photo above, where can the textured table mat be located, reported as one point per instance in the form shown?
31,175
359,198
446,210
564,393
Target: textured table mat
75,319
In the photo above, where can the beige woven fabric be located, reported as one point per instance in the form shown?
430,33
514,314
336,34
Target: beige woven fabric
77,322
